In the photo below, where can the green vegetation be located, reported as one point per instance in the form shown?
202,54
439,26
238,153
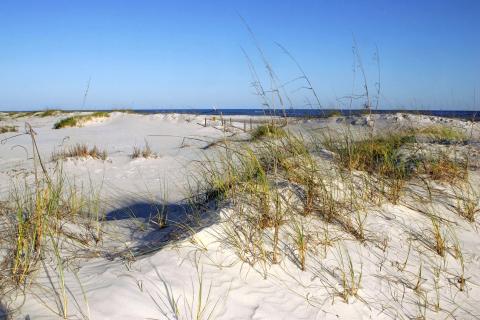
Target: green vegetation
33,220
440,133
443,168
78,120
5,129
374,155
267,130
50,113
16,115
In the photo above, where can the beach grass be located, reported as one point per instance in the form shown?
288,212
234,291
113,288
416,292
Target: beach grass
8,128
143,152
442,133
267,130
80,150
79,120
50,113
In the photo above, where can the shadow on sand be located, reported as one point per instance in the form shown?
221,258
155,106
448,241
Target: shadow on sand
3,312
181,221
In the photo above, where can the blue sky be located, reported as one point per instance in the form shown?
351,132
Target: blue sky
157,54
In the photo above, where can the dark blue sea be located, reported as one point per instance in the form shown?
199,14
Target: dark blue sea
314,113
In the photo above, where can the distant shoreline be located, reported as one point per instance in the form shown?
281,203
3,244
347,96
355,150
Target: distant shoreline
299,113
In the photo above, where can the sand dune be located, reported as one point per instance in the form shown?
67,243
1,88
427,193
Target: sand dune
191,269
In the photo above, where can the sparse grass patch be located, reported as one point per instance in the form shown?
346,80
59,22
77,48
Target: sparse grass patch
5,129
21,114
80,151
467,201
442,168
50,112
350,274
443,134
75,121
144,152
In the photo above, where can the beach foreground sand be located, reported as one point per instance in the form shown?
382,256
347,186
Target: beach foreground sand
204,263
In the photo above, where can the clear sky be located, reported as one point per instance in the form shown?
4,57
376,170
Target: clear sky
157,54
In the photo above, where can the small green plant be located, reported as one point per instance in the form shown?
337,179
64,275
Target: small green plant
300,238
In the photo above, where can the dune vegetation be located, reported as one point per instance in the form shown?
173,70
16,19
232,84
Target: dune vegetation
79,120
7,128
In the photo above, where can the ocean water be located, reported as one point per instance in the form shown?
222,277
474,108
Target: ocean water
316,113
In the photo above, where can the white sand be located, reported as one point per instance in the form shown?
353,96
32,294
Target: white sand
146,287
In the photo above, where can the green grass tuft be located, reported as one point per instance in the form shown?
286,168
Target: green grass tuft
267,130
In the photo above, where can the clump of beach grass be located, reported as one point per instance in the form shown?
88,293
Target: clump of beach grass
350,274
442,168
381,157
79,120
466,201
80,150
8,128
267,130
143,152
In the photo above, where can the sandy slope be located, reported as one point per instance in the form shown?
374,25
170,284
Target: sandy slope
150,285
